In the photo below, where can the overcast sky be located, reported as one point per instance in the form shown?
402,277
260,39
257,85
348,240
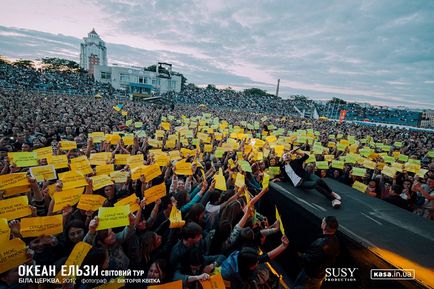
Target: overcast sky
375,51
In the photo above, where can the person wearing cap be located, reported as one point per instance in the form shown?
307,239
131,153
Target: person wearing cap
293,172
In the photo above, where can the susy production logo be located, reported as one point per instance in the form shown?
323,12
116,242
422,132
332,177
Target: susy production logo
340,274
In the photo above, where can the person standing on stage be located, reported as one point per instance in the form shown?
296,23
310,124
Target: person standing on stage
292,171
321,254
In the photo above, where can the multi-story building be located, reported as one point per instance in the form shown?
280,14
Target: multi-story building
427,120
92,52
136,80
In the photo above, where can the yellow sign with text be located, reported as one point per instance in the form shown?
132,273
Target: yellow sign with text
90,202
12,254
113,217
37,226
67,197
15,208
155,193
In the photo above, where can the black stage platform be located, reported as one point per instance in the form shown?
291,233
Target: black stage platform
374,234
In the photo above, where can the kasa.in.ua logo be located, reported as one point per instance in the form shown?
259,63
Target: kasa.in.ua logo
340,274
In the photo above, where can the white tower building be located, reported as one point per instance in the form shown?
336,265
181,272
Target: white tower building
93,51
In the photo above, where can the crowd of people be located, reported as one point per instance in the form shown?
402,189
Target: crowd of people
67,81
234,100
357,112
235,138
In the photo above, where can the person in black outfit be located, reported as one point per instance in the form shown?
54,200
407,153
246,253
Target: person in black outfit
395,198
293,172
321,254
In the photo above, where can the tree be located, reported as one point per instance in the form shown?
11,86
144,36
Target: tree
255,91
23,63
336,100
299,97
53,63
211,87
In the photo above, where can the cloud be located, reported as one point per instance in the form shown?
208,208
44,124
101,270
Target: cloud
373,51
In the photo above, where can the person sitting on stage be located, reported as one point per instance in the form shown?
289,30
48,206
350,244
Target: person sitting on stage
321,254
292,171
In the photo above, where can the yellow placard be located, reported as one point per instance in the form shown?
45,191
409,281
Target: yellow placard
214,282
170,285
338,165
165,125
98,159
183,168
13,180
421,173
278,150
104,169
170,144
16,190
151,172
185,152
42,173
208,148
137,172
67,145
25,159
15,208
115,139
162,160
369,164
113,217
174,155
4,230
360,186
82,165
265,181
12,254
97,136
130,200
388,171
66,197
155,143
155,193
135,161
128,140
246,194
37,226
80,251
90,202
119,177
44,153
240,180
278,218
361,172
121,159
72,179
220,181
175,218
101,181
59,161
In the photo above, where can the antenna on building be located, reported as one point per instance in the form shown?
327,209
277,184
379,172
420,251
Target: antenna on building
277,88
